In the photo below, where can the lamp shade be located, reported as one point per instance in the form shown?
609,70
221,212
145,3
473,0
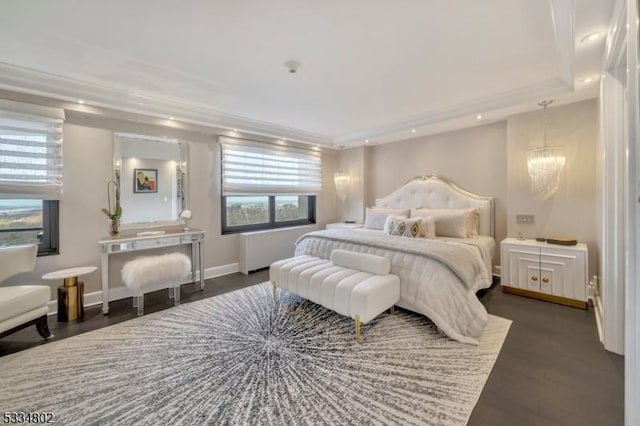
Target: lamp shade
544,165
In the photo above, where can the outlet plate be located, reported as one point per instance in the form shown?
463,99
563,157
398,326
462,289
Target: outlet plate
525,219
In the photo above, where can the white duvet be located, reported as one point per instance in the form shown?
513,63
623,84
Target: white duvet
438,278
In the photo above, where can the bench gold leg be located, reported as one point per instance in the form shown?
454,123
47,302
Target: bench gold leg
392,310
357,325
273,286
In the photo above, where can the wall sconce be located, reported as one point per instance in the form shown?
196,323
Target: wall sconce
342,181
545,164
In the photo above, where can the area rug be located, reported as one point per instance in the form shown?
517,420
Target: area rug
243,358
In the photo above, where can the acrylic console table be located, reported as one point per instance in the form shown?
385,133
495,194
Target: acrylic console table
129,243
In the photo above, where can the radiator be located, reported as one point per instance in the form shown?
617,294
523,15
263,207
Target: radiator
260,249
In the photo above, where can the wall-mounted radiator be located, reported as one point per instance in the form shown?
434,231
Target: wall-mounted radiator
260,249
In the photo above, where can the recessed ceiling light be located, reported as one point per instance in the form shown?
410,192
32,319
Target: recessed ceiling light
284,139
479,117
172,118
235,130
366,141
592,37
80,101
413,130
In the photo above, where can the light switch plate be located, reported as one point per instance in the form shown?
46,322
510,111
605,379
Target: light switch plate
525,219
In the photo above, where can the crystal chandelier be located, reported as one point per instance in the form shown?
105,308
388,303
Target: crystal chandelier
545,164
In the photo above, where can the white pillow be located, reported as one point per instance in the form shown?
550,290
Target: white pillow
458,223
375,218
404,227
429,227
361,261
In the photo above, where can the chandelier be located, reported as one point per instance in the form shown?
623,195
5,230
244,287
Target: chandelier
545,164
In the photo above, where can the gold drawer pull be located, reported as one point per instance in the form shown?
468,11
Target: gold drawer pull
534,278
545,280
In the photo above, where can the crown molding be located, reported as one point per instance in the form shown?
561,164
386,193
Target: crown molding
530,94
25,80
563,18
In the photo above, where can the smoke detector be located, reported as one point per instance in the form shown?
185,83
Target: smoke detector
292,66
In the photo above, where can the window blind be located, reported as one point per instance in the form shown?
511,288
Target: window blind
250,168
30,151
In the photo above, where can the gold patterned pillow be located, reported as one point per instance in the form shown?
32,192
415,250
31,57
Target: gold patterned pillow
404,227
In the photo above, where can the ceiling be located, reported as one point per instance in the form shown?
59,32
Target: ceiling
369,70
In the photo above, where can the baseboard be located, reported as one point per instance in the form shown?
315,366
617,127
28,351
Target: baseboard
218,271
122,292
597,309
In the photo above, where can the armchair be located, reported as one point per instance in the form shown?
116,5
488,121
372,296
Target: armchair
22,305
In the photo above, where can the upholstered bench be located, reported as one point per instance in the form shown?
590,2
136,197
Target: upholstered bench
149,273
353,284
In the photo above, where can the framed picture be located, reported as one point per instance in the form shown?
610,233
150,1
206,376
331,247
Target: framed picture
145,180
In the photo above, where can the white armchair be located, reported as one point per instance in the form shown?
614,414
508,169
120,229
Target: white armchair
22,305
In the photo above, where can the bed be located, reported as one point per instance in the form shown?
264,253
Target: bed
439,277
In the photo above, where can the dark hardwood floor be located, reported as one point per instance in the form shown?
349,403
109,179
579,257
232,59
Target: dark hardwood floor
552,369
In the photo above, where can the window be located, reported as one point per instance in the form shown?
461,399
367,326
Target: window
267,186
30,174
246,213
26,221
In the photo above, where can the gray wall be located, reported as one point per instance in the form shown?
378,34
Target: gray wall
88,153
571,211
473,158
487,159
491,160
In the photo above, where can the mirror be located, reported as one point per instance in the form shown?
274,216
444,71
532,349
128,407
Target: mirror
151,173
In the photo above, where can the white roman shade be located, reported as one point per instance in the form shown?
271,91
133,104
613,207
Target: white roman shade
30,151
250,168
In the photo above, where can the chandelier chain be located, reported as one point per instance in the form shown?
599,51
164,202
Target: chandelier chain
545,104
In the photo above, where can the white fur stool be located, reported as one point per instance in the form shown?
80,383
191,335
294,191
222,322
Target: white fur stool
149,273
356,285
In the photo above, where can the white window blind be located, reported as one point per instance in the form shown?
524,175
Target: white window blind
250,167
30,151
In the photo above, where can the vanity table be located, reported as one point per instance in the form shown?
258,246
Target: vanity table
135,242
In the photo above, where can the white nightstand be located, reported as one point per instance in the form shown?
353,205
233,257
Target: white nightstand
343,225
550,272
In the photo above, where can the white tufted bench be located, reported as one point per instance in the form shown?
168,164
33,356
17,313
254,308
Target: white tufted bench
149,273
353,284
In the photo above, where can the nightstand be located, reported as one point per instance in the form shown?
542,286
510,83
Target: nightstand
550,272
343,225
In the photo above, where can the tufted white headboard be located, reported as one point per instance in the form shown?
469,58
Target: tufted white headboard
436,192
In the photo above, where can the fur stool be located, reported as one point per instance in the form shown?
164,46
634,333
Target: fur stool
149,273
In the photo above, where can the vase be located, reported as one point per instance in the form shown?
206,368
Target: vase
115,227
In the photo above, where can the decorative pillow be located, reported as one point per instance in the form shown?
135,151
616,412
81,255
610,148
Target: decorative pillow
404,227
375,218
458,223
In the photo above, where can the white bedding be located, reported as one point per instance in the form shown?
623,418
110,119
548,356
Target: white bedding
438,277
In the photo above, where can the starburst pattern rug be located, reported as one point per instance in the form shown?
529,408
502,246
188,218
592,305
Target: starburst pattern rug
241,358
